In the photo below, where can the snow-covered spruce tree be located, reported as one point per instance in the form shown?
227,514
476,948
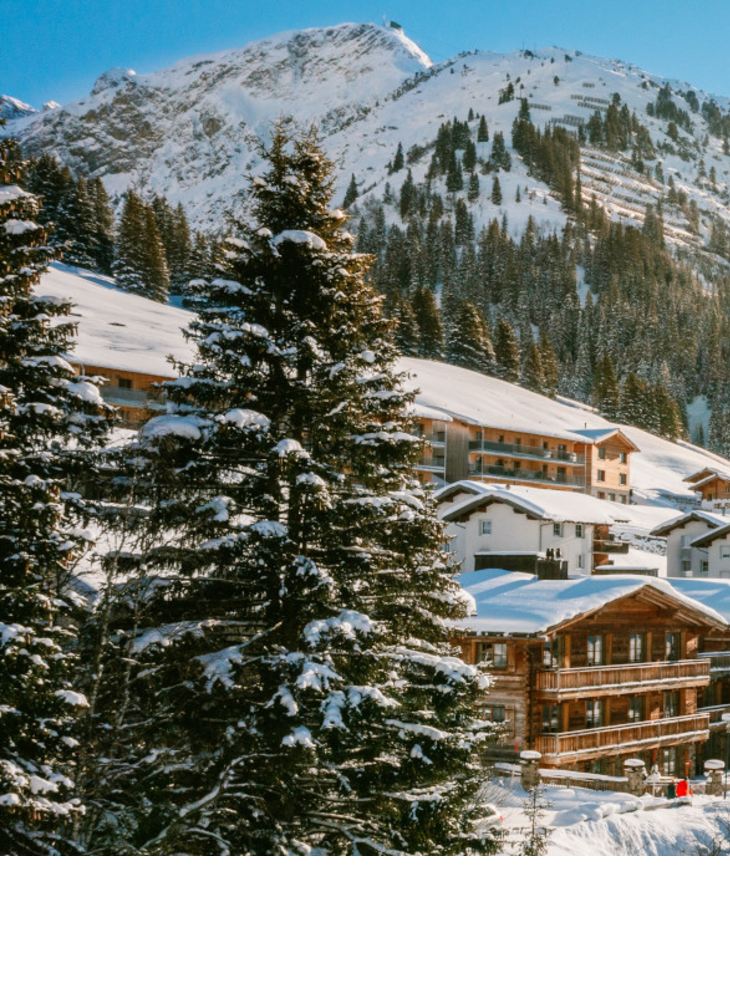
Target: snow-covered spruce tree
291,684
44,410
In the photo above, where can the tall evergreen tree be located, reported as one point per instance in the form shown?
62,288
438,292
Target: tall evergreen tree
293,687
507,352
431,330
44,411
606,393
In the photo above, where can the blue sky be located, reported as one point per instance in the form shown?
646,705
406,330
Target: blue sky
54,49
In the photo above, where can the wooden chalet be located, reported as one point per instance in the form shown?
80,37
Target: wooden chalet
592,671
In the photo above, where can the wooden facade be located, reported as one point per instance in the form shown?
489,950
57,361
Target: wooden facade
133,393
621,682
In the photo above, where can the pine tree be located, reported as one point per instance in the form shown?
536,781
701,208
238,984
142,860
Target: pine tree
473,190
44,412
431,330
293,688
465,345
507,352
351,194
606,393
141,265
483,131
531,372
398,160
496,192
129,260
407,334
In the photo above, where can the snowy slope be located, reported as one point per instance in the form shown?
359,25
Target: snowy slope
187,131
123,331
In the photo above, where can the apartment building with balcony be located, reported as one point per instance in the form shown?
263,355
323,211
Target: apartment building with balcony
592,671
496,432
712,488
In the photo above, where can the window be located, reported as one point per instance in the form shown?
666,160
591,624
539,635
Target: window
553,655
671,704
518,441
611,496
686,566
669,761
601,474
496,713
500,655
637,648
673,647
623,479
636,708
517,464
550,718
501,439
544,444
579,531
125,382
622,498
725,552
594,651
594,713
557,530
623,457
493,652
561,474
601,453
485,527
684,541
580,562
704,566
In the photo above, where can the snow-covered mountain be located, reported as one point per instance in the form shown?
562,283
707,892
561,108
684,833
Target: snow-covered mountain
186,131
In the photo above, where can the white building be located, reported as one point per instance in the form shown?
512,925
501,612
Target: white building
685,557
553,533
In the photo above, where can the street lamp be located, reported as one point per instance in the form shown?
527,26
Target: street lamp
726,721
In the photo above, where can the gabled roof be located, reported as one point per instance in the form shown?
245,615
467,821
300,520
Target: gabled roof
545,504
702,541
519,604
708,478
710,519
698,475
595,436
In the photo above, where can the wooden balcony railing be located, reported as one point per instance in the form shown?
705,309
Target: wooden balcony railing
719,661
645,734
715,714
601,679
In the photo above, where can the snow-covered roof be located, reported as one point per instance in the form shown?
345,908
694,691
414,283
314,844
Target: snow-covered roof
550,505
424,412
490,402
520,604
118,330
684,517
601,435
708,477
707,538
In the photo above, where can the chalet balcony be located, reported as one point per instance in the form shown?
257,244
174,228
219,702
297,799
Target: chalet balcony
715,713
555,685
572,745
132,397
525,452
611,546
719,663
489,470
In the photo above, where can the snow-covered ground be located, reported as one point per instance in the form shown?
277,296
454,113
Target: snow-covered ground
582,822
